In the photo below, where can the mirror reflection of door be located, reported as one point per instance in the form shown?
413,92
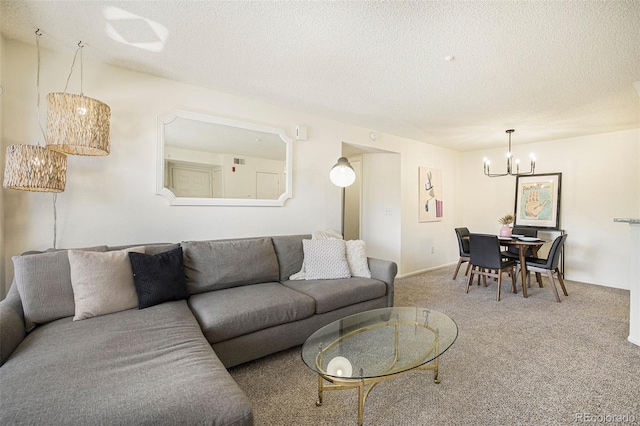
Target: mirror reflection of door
218,184
191,181
267,185
352,202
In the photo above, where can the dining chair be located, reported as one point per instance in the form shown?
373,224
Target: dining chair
487,261
549,266
512,251
463,246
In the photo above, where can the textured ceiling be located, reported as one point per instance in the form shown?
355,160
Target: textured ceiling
549,69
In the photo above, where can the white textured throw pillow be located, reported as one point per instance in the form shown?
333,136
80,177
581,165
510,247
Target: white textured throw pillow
317,235
325,259
102,282
357,259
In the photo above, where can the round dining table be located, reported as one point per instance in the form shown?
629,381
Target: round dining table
523,243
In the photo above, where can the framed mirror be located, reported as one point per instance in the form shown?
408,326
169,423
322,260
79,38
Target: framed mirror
209,160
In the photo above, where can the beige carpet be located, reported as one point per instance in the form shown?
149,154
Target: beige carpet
516,362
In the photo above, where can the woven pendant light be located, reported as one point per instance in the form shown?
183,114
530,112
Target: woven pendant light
77,124
35,168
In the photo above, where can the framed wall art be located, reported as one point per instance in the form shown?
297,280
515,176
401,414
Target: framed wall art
430,194
538,201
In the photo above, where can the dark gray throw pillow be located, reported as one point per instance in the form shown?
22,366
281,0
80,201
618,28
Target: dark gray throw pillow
158,278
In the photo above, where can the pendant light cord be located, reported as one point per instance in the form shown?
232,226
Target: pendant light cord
55,196
55,220
79,49
38,34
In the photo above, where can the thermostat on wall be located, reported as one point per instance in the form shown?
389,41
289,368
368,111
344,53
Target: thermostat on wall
301,133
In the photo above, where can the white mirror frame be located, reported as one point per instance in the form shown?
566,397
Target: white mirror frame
188,201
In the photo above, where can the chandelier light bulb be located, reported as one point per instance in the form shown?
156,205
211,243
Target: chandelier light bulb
510,163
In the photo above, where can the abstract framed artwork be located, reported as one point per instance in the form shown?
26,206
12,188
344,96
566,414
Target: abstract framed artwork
538,201
429,194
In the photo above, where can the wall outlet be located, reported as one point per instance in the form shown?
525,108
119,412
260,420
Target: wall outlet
388,211
433,250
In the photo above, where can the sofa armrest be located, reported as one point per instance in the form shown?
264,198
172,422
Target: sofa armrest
12,330
385,271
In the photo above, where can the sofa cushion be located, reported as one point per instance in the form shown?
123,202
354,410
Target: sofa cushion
44,284
150,248
333,294
136,367
290,255
158,278
233,312
325,259
216,265
102,282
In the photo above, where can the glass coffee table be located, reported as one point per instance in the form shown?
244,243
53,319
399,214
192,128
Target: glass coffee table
364,349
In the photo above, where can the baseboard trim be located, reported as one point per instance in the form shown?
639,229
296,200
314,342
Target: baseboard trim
421,271
634,341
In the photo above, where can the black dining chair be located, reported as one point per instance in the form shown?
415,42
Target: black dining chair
512,251
487,261
463,246
549,266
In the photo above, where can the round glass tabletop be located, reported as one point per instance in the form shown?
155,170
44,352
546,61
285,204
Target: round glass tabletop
380,342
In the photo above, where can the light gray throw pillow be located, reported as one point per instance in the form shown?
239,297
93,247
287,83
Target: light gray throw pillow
317,235
44,284
102,282
325,259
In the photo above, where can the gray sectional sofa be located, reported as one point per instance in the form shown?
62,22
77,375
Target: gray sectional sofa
165,364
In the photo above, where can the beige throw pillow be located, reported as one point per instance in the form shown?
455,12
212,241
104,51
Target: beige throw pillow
102,282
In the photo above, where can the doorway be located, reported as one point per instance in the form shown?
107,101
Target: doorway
373,203
353,202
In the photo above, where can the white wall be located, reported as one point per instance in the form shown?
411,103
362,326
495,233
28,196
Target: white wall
600,181
2,151
112,200
418,238
381,206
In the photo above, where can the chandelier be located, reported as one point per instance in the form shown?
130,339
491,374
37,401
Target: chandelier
510,164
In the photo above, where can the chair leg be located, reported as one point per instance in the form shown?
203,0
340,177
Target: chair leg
513,281
468,267
564,290
455,274
499,283
469,279
539,278
553,284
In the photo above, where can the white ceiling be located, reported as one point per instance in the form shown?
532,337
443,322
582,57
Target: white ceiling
549,69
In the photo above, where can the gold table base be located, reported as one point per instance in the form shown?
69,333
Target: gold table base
365,385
